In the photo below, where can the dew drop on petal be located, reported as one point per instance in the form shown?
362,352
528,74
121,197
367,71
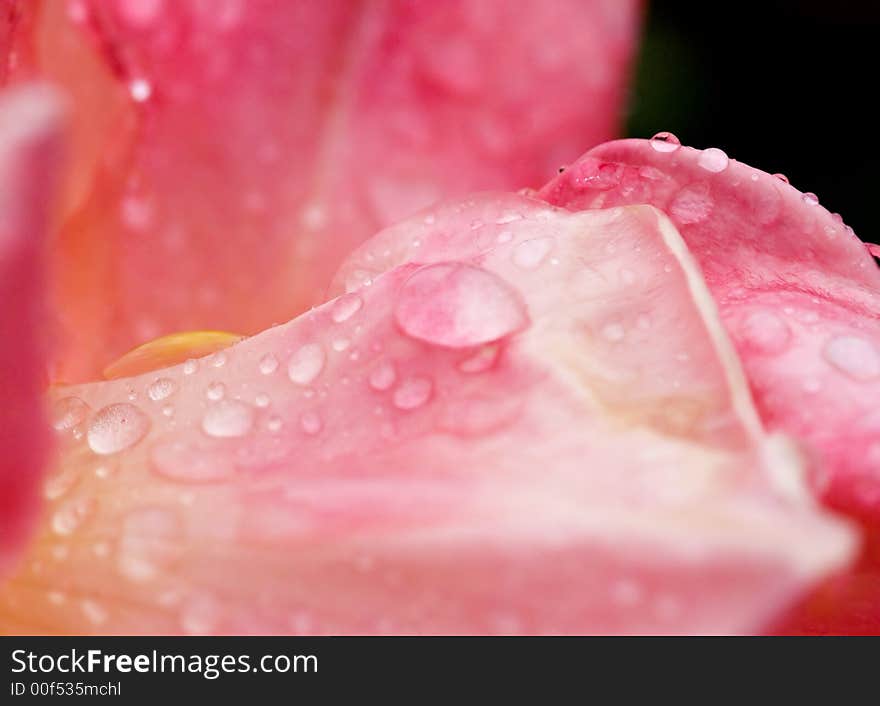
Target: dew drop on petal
810,199
68,412
306,364
228,419
274,423
310,423
529,254
345,307
413,392
161,388
262,400
713,160
268,364
215,391
117,427
781,177
665,142
765,332
853,356
190,366
382,377
71,515
218,360
457,305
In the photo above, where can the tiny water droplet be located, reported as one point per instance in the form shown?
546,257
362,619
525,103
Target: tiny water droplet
713,160
457,306
854,357
140,90
382,377
268,364
262,400
274,423
190,366
665,142
306,364
71,515
310,423
413,392
345,307
161,388
228,419
529,254
766,332
68,412
117,427
215,391
782,178
218,360
168,410
810,199
340,344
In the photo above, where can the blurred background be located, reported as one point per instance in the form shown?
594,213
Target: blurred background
787,87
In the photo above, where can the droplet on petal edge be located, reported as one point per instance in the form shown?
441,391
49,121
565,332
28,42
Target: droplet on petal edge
665,142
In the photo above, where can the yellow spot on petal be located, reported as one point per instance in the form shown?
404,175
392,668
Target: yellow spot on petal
170,350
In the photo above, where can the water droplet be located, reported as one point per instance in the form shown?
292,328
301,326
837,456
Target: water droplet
228,419
413,392
529,254
382,377
613,332
713,160
345,307
781,177
190,366
480,361
766,332
71,515
262,400
168,410
215,391
310,423
274,423
117,427
810,199
340,344
68,412
268,364
182,461
853,356
140,90
665,142
306,364
218,360
161,388
149,544
457,305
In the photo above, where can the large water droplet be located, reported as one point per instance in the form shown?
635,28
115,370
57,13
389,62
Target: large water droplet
413,392
228,419
182,461
117,427
383,375
665,142
766,332
268,364
457,305
853,356
345,307
713,160
68,412
306,364
161,388
529,254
